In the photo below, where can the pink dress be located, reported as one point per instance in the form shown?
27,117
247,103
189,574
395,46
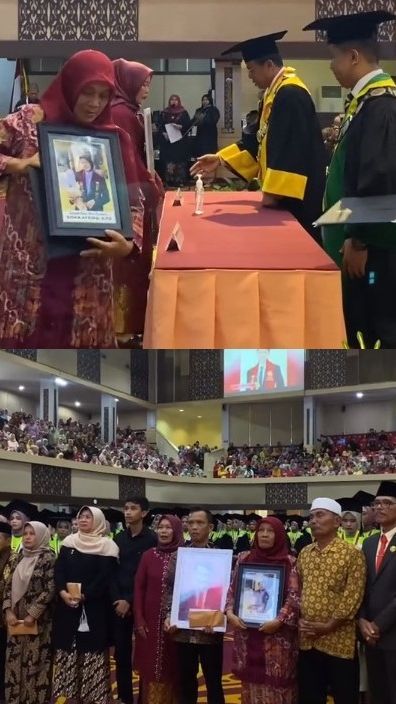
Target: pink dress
47,303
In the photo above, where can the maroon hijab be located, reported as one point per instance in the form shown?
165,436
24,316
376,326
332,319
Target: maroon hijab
59,99
175,109
177,539
129,78
279,553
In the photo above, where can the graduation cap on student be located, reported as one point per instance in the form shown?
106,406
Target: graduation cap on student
350,505
19,505
297,519
387,488
258,47
346,28
113,516
364,498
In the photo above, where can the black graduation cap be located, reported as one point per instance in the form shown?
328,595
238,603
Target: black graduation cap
257,48
345,28
5,528
350,504
30,510
387,488
364,498
113,516
297,518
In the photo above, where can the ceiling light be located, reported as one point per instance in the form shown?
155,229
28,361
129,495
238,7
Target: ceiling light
21,388
181,410
359,394
199,416
60,382
116,400
77,404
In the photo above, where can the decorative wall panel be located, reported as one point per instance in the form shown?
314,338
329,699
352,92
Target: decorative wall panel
88,365
92,20
228,99
206,376
140,374
130,486
329,8
50,481
286,496
27,354
326,369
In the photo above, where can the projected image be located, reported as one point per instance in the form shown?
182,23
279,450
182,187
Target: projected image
262,371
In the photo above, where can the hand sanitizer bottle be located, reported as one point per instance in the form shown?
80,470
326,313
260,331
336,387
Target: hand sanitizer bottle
199,196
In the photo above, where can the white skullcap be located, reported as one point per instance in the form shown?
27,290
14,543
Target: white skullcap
327,505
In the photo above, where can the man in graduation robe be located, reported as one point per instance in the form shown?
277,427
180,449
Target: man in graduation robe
284,149
363,164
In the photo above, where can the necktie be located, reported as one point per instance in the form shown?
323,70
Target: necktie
381,552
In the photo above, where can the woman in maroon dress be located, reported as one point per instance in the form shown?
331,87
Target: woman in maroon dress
155,654
132,277
265,659
49,296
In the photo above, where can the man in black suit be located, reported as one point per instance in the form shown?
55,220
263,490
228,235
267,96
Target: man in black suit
378,614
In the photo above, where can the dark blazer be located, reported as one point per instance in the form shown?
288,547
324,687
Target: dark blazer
379,603
94,572
273,378
97,190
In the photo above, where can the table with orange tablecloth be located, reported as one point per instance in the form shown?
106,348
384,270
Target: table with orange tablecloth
245,277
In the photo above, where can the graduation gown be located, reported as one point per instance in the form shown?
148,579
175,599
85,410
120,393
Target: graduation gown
364,164
286,153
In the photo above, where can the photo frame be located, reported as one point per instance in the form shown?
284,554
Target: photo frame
84,189
259,593
201,584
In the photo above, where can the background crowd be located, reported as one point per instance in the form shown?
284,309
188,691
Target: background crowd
366,453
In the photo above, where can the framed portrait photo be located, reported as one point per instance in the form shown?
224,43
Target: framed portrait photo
201,583
84,187
259,593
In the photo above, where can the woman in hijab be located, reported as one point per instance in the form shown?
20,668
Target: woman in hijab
132,86
56,295
81,634
18,519
155,655
28,597
265,659
175,156
206,118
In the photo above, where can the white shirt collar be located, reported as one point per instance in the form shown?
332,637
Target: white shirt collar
390,534
364,80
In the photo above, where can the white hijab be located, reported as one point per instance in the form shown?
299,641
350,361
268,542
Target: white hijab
96,542
25,568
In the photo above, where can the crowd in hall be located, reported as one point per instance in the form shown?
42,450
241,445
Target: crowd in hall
332,632
337,455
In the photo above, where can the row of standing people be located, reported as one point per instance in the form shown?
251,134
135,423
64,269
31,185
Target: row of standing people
310,648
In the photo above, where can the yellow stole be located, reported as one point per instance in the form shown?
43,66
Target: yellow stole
288,77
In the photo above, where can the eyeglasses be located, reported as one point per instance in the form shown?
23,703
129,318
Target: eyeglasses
385,503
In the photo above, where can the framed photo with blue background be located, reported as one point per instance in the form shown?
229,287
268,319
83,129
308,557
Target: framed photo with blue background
259,593
83,187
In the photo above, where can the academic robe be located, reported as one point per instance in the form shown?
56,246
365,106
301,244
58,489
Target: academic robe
93,188
288,154
272,377
364,164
